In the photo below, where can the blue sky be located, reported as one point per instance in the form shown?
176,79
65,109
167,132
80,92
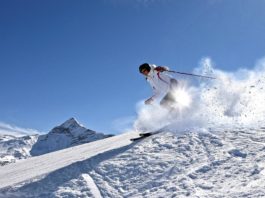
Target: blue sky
62,59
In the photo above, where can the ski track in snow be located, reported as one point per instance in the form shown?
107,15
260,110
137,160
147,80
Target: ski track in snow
223,163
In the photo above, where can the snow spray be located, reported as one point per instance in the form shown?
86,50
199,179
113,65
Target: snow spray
235,99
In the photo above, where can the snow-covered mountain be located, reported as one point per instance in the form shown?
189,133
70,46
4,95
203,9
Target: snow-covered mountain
68,134
212,164
15,148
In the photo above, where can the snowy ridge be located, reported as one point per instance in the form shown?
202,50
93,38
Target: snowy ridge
220,163
6,137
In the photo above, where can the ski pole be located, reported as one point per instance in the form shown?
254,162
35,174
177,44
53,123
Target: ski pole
190,74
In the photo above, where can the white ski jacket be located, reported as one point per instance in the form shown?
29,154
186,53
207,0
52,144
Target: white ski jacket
159,81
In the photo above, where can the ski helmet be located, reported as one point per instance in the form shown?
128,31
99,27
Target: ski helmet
144,66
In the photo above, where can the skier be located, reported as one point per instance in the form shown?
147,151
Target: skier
162,84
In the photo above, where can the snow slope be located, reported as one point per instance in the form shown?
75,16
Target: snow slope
31,168
219,163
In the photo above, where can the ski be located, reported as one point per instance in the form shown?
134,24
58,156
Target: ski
144,135
141,136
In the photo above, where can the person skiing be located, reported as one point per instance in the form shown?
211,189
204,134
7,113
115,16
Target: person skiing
162,84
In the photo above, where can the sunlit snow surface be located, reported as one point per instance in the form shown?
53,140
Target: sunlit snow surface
206,164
